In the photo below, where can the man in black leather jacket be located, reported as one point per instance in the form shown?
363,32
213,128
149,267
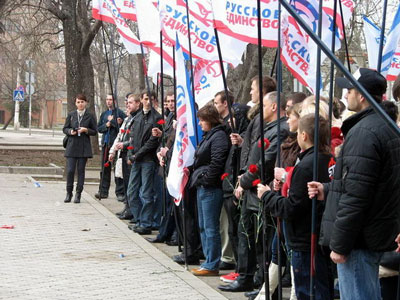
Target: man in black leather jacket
361,218
143,158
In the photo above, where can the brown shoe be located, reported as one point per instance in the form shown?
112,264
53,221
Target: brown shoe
204,272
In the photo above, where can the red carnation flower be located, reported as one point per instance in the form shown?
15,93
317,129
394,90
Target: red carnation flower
161,122
253,169
128,131
107,164
266,143
129,147
122,130
223,176
256,182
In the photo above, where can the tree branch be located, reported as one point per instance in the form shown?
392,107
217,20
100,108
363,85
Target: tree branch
91,35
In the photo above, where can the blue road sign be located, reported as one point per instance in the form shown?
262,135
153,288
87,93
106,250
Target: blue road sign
18,95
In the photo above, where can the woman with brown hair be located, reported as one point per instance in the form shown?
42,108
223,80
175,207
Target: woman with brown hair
209,162
79,126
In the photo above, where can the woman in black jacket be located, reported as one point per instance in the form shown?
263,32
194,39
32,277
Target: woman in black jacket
79,126
209,162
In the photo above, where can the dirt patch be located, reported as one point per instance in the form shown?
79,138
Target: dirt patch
38,158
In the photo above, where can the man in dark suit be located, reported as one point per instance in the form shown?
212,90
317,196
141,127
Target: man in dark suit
109,123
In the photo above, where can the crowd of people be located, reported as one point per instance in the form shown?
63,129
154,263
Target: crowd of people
232,220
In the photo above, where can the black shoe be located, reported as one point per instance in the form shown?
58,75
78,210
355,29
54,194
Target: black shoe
155,240
226,266
77,197
236,287
132,226
68,198
133,221
125,216
252,293
172,242
121,198
102,196
180,259
142,230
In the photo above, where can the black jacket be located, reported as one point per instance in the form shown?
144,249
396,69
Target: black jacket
247,179
114,128
79,146
296,209
362,207
210,158
144,144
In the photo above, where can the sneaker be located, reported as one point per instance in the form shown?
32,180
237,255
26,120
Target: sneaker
231,277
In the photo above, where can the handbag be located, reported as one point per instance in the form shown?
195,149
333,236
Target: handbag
65,141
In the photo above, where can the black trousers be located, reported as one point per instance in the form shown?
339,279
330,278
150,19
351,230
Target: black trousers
233,213
72,163
106,178
250,246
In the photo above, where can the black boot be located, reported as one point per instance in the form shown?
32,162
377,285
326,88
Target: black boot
68,197
77,197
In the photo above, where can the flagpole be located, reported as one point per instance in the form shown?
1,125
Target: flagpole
174,78
332,75
164,191
221,63
381,44
278,150
344,36
105,151
158,80
315,163
191,64
262,174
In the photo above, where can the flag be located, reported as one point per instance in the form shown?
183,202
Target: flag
107,11
126,8
238,19
185,140
394,70
372,35
174,21
391,42
298,50
347,8
207,80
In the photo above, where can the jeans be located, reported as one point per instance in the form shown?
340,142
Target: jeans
323,278
141,192
72,162
358,276
209,205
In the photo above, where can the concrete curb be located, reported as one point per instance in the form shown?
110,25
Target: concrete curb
31,170
196,283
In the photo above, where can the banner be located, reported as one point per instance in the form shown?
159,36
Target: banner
238,19
207,80
372,34
126,9
185,140
107,11
204,46
154,60
394,70
298,50
347,7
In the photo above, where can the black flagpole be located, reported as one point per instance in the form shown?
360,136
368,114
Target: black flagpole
164,192
105,154
278,152
315,164
145,74
261,115
191,62
381,44
221,63
332,77
344,36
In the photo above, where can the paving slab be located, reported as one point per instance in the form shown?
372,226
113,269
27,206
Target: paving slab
72,251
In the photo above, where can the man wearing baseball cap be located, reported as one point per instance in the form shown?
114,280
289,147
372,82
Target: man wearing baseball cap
361,218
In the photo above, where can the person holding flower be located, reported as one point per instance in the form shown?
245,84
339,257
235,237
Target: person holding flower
79,126
209,162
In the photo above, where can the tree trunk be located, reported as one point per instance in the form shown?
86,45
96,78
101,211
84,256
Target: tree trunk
79,68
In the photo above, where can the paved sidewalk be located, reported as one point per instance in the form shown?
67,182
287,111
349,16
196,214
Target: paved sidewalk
70,251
